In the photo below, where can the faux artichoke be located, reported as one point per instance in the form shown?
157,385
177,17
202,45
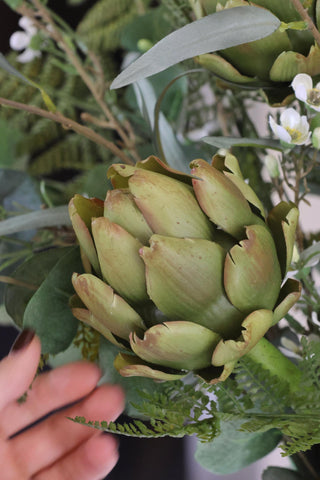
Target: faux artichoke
272,62
184,271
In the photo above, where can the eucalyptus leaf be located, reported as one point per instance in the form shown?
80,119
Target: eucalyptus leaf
13,71
29,276
174,154
279,473
233,450
228,142
218,31
48,312
50,217
310,256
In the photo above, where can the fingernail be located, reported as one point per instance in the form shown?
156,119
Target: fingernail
22,340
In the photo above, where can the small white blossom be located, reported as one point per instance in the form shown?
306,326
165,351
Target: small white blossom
293,128
21,40
272,165
304,91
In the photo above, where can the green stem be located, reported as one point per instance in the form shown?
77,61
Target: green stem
278,364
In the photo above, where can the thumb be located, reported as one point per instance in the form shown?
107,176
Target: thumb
18,369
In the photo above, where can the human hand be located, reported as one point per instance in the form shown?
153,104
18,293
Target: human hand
56,448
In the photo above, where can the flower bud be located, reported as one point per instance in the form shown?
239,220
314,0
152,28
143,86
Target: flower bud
316,138
272,165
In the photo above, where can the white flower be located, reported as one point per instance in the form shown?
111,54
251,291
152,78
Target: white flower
21,40
304,91
293,128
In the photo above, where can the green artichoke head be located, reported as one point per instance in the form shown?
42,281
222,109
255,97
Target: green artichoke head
272,62
183,272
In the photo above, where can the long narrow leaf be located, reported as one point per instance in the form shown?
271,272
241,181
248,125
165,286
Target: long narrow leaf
218,31
228,142
165,140
50,217
13,71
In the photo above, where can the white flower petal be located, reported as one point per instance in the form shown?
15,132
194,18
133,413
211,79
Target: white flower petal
28,55
279,131
290,118
301,92
301,84
19,40
27,25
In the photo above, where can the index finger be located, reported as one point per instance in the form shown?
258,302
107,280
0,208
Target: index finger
18,369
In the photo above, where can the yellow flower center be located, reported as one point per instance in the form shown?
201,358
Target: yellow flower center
294,134
314,97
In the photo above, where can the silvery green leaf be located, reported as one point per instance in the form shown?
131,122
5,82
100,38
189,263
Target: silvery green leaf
280,473
146,99
13,71
233,450
311,255
218,31
228,142
50,217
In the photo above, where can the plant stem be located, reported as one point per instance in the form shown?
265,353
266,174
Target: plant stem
18,283
278,364
303,12
96,87
67,123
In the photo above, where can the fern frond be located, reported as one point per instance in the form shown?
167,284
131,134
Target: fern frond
88,341
267,392
153,429
102,26
179,12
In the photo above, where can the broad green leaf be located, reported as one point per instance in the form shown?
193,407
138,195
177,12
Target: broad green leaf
32,273
279,473
233,450
48,311
214,32
13,71
228,142
18,193
39,219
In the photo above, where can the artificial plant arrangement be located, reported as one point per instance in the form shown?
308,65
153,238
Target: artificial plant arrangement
196,294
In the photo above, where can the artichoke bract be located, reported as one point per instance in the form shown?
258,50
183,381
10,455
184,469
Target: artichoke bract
272,62
183,272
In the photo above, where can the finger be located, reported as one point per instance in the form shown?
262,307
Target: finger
92,460
10,468
18,370
52,439
50,391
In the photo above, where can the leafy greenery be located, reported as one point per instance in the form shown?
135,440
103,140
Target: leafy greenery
236,421
50,304
256,406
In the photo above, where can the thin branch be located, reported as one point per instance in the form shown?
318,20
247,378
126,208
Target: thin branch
67,123
18,283
98,89
303,12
